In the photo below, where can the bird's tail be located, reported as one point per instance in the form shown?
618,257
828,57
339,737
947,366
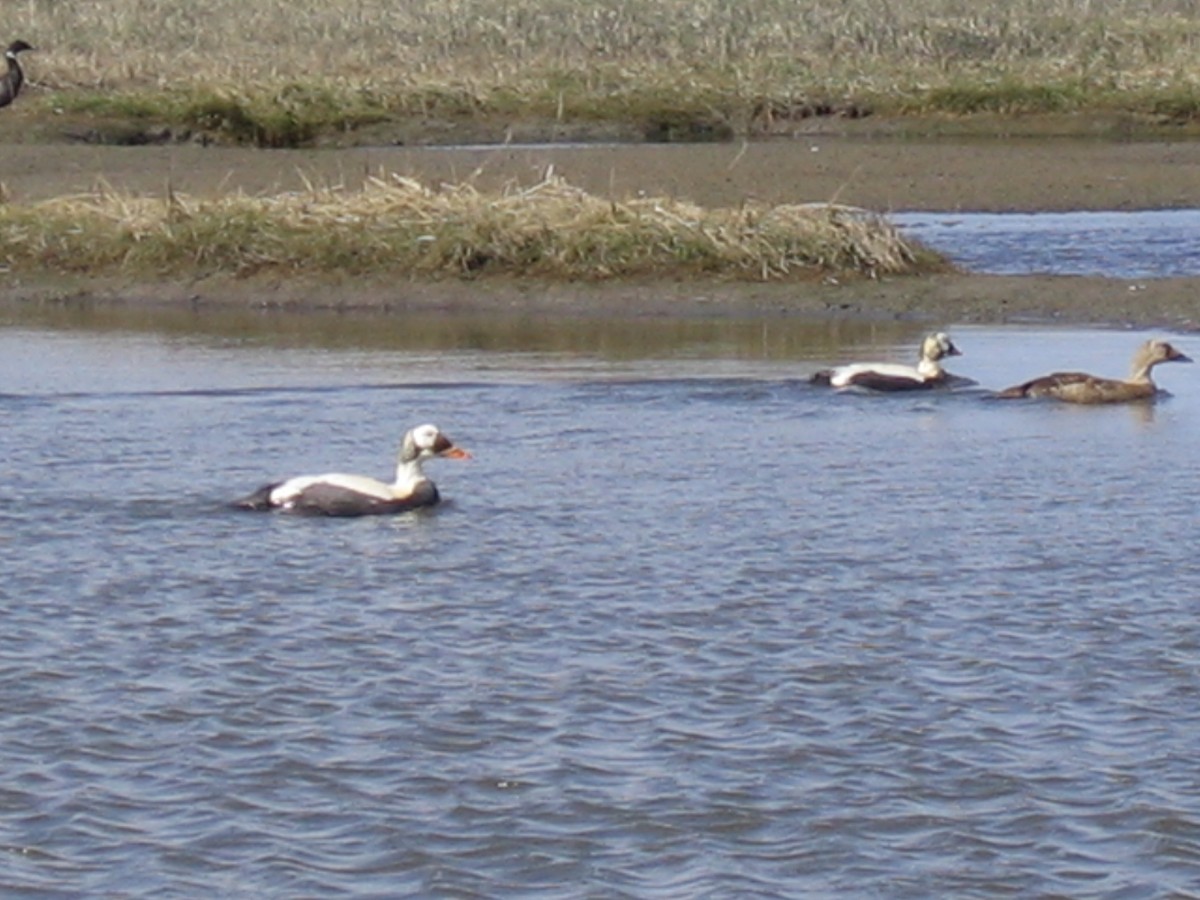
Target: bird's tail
824,377
259,500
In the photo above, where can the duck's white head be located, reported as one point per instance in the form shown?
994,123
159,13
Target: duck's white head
427,441
938,346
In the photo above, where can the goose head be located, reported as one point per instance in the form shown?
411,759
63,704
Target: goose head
17,47
427,441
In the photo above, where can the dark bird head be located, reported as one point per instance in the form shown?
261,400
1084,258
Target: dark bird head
17,47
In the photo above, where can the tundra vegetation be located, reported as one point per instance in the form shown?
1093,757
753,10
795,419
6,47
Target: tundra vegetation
290,73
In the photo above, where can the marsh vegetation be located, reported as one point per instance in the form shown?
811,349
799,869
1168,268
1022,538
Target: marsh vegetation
397,225
294,72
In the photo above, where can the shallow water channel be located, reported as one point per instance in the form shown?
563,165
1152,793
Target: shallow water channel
685,626
1137,244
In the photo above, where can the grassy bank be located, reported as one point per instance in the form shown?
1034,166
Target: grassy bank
398,226
291,72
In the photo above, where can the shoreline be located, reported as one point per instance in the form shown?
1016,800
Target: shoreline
882,174
944,299
879,174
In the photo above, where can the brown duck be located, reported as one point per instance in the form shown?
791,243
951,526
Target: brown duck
1079,387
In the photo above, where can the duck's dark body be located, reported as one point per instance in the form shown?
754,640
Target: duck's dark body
326,499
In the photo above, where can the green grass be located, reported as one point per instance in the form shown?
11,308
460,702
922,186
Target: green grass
1005,97
290,72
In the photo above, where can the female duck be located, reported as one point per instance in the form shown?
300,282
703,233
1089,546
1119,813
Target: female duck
927,373
356,495
1079,387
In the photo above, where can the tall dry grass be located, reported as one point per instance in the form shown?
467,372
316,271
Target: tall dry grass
606,58
398,226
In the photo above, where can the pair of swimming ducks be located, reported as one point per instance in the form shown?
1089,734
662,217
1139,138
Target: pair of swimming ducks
1070,387
337,494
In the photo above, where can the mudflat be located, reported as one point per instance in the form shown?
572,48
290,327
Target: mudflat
876,172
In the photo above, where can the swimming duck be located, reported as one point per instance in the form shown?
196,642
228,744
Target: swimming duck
356,495
1079,387
927,373
10,83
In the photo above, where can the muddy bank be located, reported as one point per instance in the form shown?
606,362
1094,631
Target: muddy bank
940,299
948,174
980,174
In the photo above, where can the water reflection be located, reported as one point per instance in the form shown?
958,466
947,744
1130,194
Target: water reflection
606,337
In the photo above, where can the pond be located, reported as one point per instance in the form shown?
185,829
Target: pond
685,625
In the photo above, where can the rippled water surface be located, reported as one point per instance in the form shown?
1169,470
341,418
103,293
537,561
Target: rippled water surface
685,626
1141,244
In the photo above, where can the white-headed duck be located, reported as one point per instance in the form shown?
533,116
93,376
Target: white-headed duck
356,495
927,373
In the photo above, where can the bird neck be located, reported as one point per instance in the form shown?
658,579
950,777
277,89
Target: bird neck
929,368
1140,370
409,473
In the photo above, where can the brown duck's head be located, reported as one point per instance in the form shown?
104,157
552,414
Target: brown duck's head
938,346
1153,352
17,47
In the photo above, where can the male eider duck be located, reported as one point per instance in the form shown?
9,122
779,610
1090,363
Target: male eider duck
1079,387
928,373
10,83
356,495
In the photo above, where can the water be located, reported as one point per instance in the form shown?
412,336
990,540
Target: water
1143,244
685,626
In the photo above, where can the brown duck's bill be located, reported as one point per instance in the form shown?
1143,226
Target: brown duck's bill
455,453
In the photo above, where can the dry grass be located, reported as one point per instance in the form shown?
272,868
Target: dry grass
396,225
307,66
376,43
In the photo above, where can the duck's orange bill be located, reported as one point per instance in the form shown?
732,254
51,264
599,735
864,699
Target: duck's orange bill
456,453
